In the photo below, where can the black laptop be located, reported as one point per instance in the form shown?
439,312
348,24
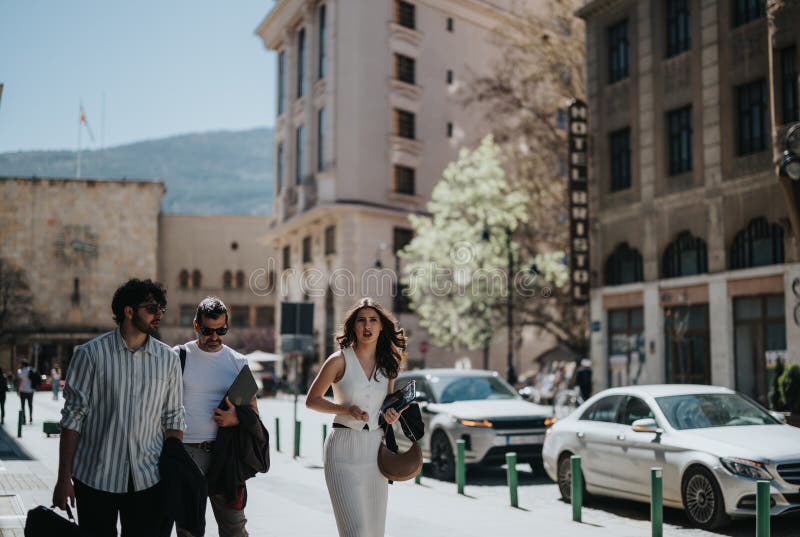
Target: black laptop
243,389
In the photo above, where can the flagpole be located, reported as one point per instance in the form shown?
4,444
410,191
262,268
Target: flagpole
78,164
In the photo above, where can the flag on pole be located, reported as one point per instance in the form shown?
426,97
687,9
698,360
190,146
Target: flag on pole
85,122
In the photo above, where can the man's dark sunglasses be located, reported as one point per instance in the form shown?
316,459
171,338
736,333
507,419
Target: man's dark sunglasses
206,331
152,309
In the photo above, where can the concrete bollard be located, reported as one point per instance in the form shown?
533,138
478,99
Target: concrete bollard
656,502
20,422
762,508
418,478
461,469
297,426
511,473
277,434
576,488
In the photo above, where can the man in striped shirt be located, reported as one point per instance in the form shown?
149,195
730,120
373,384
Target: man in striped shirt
122,396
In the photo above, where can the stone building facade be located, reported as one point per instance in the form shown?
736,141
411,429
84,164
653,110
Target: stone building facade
693,255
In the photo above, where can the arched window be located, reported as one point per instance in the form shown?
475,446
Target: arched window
624,265
227,279
183,279
686,255
239,279
759,244
197,279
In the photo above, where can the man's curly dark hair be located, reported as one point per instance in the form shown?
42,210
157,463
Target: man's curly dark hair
135,292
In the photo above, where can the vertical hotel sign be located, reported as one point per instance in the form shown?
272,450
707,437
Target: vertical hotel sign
578,202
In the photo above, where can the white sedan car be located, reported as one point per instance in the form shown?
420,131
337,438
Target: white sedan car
712,443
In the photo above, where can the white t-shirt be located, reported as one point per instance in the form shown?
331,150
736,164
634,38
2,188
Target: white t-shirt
206,378
24,377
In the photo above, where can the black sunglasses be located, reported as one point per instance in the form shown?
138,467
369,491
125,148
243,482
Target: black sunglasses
206,331
152,309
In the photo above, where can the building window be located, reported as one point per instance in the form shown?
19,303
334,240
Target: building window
183,279
687,344
759,244
227,279
187,315
685,256
265,316
321,139
404,124
449,129
330,323
561,166
561,119
287,257
623,266
197,279
406,14
679,123
404,69
307,250
240,316
620,147
330,240
789,106
748,10
678,27
300,150
323,31
753,120
402,302
281,80
626,356
449,76
279,167
301,62
402,237
759,326
449,24
240,279
618,52
404,180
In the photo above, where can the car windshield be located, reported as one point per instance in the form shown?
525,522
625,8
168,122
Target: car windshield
703,410
449,389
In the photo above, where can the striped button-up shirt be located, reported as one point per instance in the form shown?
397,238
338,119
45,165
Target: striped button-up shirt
120,401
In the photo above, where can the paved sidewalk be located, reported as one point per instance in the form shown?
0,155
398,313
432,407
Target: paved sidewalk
292,498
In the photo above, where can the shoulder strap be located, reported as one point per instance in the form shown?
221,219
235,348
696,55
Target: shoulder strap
182,354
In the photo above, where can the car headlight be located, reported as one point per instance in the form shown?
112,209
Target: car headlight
746,468
475,423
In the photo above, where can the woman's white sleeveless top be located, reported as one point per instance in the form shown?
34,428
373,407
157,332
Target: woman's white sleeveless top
355,388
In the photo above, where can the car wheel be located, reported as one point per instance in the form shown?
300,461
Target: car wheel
564,476
702,499
442,461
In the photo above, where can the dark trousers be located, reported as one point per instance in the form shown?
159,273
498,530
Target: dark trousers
139,512
26,396
2,405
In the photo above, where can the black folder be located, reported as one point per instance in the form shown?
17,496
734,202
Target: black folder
243,389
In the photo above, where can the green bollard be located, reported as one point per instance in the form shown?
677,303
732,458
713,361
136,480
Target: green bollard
656,502
20,422
461,469
511,473
277,434
324,436
418,478
297,426
762,508
576,491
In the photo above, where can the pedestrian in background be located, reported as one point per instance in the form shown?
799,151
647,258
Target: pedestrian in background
55,381
3,390
25,389
122,397
361,373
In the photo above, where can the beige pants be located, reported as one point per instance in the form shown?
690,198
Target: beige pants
229,521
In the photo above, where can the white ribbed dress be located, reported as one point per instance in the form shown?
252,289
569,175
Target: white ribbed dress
357,488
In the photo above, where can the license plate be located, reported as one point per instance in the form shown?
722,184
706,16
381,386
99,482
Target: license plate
516,440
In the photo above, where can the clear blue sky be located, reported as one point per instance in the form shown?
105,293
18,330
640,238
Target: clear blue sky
165,66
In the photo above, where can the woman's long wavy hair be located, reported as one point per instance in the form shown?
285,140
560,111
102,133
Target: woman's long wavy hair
391,340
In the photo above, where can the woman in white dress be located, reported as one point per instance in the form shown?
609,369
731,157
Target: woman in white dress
362,373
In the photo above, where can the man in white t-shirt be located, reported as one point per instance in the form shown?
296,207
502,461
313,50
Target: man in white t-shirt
210,369
25,389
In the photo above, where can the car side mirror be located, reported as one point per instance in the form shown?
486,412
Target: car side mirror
421,397
780,416
646,425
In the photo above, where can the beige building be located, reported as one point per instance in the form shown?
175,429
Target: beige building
694,271
369,115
